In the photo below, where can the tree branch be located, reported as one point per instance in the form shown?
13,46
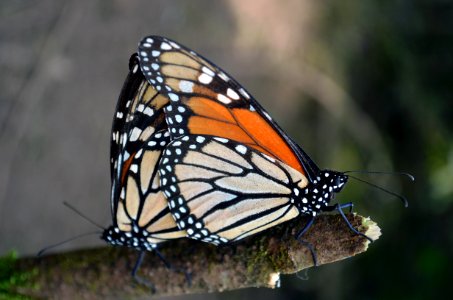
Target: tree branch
255,262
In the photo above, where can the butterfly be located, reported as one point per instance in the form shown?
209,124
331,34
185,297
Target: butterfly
230,171
140,214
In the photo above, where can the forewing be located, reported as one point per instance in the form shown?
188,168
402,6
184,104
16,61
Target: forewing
207,101
139,114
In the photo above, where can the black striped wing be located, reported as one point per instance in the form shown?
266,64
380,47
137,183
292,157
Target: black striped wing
139,114
142,218
140,213
135,91
221,191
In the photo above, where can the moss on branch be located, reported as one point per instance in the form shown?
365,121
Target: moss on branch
254,262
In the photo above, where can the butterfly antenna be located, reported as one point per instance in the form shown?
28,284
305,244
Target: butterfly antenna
82,215
410,176
40,253
402,198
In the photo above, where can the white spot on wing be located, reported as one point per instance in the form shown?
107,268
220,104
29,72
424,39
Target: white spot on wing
241,149
232,94
126,156
173,97
223,76
267,115
268,157
175,45
135,134
222,140
223,99
244,93
208,71
165,46
149,111
204,78
134,168
186,86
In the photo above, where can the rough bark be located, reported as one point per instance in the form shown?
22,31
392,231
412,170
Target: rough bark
253,262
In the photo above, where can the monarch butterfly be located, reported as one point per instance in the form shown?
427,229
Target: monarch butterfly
230,171
141,217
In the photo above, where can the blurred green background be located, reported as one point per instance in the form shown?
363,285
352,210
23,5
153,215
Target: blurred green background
361,85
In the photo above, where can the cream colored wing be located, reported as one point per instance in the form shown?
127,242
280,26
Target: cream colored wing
221,191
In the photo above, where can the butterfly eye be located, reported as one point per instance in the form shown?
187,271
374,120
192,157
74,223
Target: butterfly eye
339,182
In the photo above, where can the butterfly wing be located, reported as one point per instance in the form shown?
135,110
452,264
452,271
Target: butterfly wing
141,217
220,191
142,207
138,115
207,101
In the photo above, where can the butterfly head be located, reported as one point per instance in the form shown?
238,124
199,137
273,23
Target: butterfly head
317,194
134,239
337,180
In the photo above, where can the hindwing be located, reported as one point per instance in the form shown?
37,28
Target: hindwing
220,191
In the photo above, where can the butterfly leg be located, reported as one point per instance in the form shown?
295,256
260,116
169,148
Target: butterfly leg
340,210
349,205
139,279
305,243
306,227
170,267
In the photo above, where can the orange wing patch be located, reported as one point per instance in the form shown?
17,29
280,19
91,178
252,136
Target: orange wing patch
219,105
266,137
125,169
209,109
241,125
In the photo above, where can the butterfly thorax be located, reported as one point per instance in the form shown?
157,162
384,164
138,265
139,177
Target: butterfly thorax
316,196
136,239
